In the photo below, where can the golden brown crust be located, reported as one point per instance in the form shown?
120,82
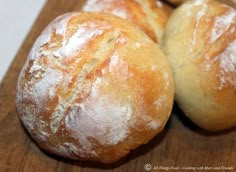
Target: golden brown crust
150,15
202,53
94,87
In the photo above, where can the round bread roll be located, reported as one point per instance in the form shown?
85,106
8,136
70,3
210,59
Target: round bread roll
94,87
150,15
200,43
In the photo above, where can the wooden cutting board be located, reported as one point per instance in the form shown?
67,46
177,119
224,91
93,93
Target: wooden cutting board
180,146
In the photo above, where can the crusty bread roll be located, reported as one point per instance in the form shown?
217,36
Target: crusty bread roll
200,43
94,87
150,15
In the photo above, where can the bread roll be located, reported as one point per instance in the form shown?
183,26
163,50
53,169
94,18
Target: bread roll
94,87
149,15
200,43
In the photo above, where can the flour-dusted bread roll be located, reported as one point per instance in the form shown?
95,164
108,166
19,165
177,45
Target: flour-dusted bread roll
200,43
94,87
150,15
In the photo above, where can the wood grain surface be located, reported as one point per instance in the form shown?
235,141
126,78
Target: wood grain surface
180,145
